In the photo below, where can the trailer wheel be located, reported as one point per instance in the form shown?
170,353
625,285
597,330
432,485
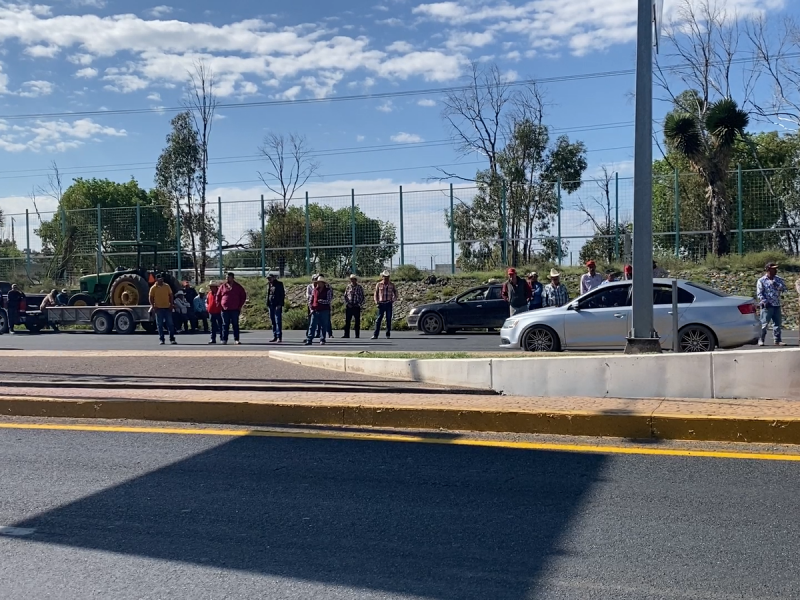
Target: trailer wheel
102,322
124,323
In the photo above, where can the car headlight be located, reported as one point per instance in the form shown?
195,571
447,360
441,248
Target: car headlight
413,311
510,323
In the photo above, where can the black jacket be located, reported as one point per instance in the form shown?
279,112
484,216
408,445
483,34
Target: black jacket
190,294
14,298
276,294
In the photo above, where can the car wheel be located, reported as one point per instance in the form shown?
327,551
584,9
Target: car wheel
696,338
540,339
431,324
3,321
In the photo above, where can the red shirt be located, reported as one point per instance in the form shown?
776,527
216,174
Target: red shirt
212,305
231,296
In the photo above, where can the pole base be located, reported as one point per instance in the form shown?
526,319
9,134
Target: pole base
643,346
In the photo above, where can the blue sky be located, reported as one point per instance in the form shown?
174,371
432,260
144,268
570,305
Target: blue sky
64,56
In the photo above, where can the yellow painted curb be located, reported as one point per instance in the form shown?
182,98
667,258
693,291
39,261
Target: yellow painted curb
625,425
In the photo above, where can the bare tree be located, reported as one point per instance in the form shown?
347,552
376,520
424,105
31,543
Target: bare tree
201,101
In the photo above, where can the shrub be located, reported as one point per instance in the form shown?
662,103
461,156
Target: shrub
408,273
296,318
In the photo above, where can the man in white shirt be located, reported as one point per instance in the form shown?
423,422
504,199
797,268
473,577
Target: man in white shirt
591,279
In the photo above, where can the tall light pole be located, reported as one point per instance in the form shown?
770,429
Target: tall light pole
643,337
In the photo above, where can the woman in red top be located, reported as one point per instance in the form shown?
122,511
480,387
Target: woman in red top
231,298
214,312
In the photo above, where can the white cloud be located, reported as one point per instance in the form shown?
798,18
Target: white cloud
386,107
86,73
81,59
159,11
34,89
426,102
40,51
360,138
3,81
469,39
432,65
53,136
406,138
400,46
154,97
123,83
90,3
392,22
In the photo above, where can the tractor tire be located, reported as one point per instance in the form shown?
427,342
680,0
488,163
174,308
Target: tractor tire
173,283
124,322
129,290
102,322
82,300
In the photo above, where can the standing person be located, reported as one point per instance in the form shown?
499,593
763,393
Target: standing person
200,312
536,291
516,292
385,296
231,297
14,299
591,279
181,311
330,321
354,299
555,292
63,297
768,292
610,277
214,312
49,300
309,292
321,299
627,273
190,294
658,271
276,296
162,303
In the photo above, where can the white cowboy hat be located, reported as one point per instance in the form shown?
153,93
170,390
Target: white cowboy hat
320,279
554,273
386,274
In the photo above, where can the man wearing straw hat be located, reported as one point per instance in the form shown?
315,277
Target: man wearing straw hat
555,293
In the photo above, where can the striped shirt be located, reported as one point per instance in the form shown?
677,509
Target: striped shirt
385,292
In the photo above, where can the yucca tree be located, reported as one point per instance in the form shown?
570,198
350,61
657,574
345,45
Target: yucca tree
707,141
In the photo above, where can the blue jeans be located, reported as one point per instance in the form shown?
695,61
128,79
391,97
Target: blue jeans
216,327
276,318
771,313
320,323
164,320
230,318
384,309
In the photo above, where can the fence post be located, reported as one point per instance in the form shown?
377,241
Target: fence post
353,228
308,240
616,215
178,244
27,243
219,234
739,199
263,239
452,235
99,240
138,222
558,195
677,190
402,237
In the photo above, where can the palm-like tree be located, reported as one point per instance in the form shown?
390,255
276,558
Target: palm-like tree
707,140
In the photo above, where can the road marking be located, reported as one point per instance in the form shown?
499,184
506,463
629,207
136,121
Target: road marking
15,531
382,437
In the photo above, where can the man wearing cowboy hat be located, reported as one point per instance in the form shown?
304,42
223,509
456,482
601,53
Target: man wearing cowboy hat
321,300
591,279
353,303
555,292
385,296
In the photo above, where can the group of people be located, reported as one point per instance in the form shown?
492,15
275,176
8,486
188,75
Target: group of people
769,288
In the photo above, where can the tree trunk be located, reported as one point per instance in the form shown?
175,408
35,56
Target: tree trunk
718,202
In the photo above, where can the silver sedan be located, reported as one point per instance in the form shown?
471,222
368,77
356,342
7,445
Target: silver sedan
601,319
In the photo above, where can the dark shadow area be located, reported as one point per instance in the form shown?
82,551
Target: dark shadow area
440,522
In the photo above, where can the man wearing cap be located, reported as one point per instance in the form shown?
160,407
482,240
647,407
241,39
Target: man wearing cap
232,298
276,295
190,294
591,279
321,300
536,291
611,277
516,292
353,303
63,297
555,293
214,312
768,292
658,272
200,312
162,303
627,273
385,296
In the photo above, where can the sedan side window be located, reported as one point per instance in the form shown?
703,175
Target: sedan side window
607,297
662,294
473,296
494,293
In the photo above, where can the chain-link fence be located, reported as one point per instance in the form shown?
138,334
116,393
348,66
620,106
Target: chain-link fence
445,230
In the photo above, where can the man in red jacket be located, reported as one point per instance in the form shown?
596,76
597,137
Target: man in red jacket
231,298
214,312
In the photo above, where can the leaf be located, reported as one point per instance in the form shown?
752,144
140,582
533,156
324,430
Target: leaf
725,121
683,134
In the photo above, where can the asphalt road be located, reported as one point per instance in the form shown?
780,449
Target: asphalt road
152,516
404,341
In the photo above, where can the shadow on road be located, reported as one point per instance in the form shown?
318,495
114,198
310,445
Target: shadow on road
435,521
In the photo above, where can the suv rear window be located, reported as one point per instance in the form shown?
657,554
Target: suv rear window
709,289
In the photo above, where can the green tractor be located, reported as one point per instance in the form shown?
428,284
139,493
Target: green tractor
125,286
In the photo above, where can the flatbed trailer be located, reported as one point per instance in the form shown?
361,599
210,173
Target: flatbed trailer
104,319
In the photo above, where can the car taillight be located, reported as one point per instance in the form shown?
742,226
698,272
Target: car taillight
747,309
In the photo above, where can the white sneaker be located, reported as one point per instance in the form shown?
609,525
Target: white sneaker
760,342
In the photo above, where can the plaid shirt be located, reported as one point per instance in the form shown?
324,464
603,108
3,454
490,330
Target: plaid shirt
385,292
354,295
555,296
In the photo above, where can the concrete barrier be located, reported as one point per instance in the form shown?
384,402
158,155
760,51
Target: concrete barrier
469,373
334,363
762,374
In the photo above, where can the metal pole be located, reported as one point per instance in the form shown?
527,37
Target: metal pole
27,242
308,240
138,222
677,186
558,194
353,227
452,235
642,337
675,344
402,237
263,239
99,240
616,215
219,234
178,235
504,231
740,196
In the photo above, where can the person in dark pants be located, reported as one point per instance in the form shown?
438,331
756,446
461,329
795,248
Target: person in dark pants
276,295
214,312
15,298
353,301
321,300
190,294
231,297
385,296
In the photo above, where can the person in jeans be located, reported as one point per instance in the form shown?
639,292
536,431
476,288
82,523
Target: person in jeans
536,291
200,312
276,295
385,296
190,294
162,303
214,312
231,296
353,301
309,293
768,293
321,300
516,292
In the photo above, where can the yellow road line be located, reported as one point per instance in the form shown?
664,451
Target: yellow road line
578,448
